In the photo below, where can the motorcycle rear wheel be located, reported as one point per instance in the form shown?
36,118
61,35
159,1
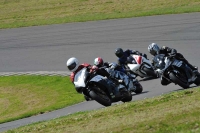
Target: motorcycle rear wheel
176,80
100,98
139,88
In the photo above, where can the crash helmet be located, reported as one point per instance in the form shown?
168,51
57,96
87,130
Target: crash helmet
72,64
119,52
98,62
153,49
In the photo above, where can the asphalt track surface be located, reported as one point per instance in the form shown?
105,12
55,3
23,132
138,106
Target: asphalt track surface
47,48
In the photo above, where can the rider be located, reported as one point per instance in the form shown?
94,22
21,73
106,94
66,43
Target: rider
100,63
115,71
154,49
122,55
74,67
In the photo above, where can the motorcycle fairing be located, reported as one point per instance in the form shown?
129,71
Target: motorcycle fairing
140,62
97,78
177,64
138,59
79,78
138,69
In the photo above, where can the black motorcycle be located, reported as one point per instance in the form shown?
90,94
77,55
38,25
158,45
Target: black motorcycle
103,90
129,81
173,70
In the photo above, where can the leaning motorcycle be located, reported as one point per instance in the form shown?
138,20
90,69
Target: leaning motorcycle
176,71
129,81
141,66
103,90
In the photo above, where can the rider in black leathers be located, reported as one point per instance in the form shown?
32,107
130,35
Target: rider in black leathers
154,49
122,55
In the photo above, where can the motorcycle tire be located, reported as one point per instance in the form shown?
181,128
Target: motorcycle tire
176,80
127,96
102,99
197,81
150,72
87,98
138,88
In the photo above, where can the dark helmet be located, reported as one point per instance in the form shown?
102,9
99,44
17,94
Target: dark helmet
119,52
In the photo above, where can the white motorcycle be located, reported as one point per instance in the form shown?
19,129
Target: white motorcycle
140,66
103,90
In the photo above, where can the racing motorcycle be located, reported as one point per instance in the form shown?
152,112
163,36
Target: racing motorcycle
140,66
103,90
129,80
175,71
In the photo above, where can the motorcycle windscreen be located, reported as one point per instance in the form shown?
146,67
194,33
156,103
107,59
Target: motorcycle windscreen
131,60
159,61
79,79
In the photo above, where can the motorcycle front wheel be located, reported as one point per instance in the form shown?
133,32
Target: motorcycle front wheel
138,88
176,80
100,97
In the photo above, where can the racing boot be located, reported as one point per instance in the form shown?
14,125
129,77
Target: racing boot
131,87
194,69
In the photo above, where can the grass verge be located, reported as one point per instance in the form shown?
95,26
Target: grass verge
177,112
24,96
22,13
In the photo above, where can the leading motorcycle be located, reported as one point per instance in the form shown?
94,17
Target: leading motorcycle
101,89
176,71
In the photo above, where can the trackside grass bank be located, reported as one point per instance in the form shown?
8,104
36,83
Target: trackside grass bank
177,112
24,96
22,13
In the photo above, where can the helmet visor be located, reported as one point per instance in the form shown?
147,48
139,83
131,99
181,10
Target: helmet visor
119,54
72,66
153,52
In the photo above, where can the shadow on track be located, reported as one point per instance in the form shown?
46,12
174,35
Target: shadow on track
147,78
140,93
191,87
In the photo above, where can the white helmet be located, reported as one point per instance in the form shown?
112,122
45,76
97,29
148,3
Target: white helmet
72,64
153,49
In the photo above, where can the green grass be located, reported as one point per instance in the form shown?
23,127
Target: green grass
24,96
22,13
177,112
